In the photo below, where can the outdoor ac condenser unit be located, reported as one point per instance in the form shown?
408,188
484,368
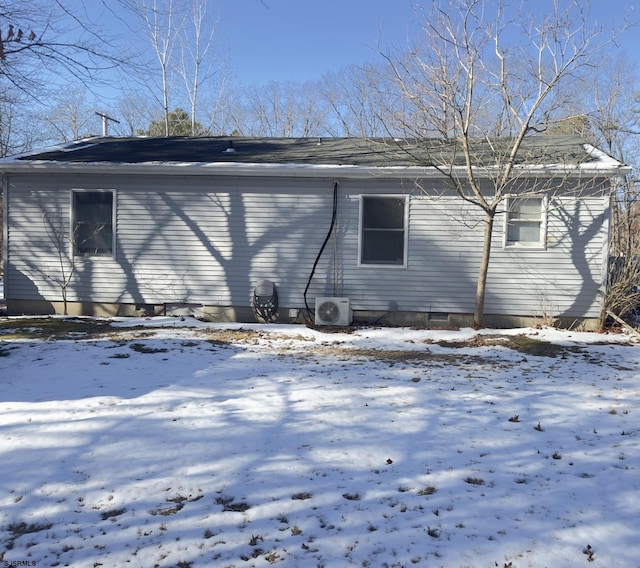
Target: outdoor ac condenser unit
333,311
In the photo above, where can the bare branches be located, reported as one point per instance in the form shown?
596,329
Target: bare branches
490,74
162,24
283,110
196,55
181,35
40,41
474,77
361,102
70,117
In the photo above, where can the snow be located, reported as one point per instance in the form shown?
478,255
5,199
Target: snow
604,160
172,442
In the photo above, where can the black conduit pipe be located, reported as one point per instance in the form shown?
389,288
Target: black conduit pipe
324,244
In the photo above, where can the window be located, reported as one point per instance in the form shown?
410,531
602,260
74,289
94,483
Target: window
525,221
383,230
92,223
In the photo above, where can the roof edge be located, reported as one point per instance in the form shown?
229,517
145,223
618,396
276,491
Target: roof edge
602,166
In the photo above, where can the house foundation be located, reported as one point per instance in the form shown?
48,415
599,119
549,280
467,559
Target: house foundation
229,314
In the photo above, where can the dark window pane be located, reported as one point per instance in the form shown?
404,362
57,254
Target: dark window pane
383,247
382,231
383,213
93,229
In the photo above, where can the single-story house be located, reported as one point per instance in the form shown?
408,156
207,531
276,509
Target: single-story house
238,228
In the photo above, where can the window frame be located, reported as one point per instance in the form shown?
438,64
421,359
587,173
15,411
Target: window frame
73,222
541,243
405,231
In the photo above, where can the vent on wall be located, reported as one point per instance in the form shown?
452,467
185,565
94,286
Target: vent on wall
333,311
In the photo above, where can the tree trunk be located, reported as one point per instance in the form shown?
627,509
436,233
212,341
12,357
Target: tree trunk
484,270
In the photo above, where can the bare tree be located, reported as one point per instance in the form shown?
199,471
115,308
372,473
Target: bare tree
196,56
284,109
470,82
162,23
7,125
223,108
362,101
71,117
136,112
181,36
62,274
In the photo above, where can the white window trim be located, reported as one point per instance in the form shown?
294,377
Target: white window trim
542,243
406,232
72,223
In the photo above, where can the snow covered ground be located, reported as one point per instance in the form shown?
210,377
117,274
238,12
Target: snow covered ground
182,444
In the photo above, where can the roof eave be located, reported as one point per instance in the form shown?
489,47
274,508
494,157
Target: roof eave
590,169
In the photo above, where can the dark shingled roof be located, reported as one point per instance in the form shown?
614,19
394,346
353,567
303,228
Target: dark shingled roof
379,152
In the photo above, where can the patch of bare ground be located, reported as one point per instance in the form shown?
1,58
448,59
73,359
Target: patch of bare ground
223,337
521,343
389,355
53,328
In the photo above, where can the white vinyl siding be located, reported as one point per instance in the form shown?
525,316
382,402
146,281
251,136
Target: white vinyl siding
209,240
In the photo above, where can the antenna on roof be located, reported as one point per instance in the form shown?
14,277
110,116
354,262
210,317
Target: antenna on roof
105,122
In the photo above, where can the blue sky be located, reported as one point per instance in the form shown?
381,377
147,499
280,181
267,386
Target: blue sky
301,39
